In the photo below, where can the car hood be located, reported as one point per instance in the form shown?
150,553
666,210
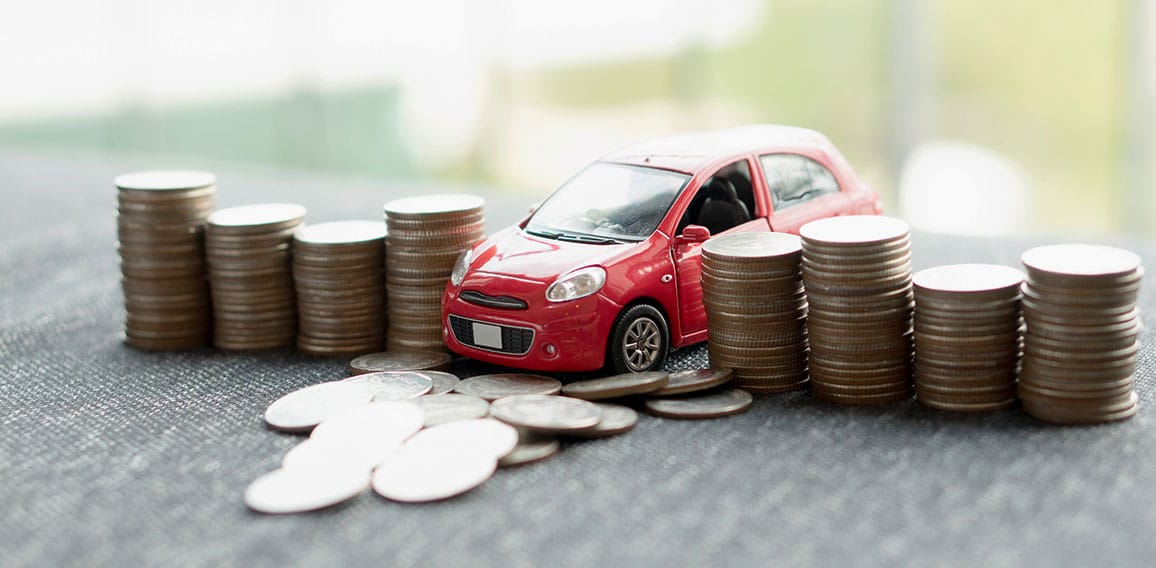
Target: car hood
512,252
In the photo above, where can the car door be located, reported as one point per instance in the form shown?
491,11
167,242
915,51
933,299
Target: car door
801,188
687,252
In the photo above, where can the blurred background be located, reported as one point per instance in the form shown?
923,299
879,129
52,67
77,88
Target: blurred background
970,116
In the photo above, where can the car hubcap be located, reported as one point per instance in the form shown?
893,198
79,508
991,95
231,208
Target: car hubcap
642,344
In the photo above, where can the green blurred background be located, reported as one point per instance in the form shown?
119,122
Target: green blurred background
970,116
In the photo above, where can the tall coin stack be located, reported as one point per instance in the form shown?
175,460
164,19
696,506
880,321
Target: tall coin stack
248,250
857,273
426,235
968,336
160,229
1079,304
756,310
339,275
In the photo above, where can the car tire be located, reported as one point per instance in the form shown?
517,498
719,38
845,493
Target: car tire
639,340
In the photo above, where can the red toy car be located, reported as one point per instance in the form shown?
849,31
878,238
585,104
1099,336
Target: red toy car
606,271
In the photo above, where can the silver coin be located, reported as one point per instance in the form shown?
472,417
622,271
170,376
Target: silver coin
385,421
532,448
493,387
304,489
723,403
616,419
452,407
430,472
399,361
358,452
259,214
546,413
617,386
341,232
394,385
443,382
495,437
301,410
694,380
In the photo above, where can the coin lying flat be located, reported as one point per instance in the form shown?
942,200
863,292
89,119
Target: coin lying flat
425,473
714,405
495,437
358,452
451,407
301,410
304,489
614,420
389,421
399,361
694,380
495,386
546,413
341,232
617,386
165,180
443,382
532,448
393,385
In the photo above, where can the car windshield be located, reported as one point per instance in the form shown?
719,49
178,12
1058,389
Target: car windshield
608,203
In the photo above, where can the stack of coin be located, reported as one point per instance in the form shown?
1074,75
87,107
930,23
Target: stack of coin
426,236
756,310
857,272
250,275
339,275
1079,305
161,219
968,336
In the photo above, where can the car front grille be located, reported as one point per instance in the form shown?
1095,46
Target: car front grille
515,340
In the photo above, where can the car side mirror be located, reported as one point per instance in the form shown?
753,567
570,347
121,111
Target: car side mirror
695,234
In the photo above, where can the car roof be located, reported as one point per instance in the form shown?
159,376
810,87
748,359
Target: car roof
688,153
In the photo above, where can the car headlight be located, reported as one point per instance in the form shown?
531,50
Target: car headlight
577,284
461,265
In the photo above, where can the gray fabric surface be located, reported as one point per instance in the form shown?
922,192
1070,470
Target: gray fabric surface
111,456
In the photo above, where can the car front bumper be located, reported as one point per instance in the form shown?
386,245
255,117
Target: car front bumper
563,337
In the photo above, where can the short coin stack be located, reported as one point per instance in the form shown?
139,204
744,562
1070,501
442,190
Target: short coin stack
968,336
161,220
857,272
426,236
339,275
248,251
1079,304
752,290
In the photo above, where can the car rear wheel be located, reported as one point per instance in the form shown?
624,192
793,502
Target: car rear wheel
639,341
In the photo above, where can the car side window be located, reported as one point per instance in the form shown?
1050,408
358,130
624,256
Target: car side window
725,200
793,179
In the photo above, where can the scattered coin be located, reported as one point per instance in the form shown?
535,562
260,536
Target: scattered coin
394,385
499,385
694,380
617,386
388,421
495,437
714,405
546,413
532,447
451,407
302,489
358,452
301,410
421,473
614,420
443,382
399,361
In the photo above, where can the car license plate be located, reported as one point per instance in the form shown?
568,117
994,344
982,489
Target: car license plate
486,335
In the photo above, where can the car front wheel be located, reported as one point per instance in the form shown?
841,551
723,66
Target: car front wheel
639,341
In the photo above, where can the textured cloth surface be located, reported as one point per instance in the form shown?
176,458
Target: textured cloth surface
111,456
